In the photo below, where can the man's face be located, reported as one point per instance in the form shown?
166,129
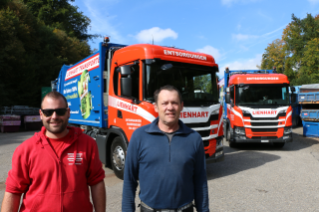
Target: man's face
168,107
54,124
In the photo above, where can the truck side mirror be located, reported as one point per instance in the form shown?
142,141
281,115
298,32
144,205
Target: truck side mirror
126,86
227,98
125,70
293,89
126,80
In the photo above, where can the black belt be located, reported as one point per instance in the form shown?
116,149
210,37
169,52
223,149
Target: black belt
186,208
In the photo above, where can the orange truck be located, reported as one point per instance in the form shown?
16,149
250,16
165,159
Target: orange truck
257,107
110,94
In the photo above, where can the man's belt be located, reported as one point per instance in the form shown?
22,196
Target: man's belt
181,209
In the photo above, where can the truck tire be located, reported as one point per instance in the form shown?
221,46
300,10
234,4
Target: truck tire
227,134
232,144
279,145
118,154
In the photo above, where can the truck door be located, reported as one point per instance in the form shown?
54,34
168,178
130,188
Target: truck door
126,99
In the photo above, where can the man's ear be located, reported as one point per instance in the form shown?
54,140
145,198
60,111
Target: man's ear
155,107
68,111
40,112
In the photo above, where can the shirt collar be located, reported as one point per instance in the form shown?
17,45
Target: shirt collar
153,128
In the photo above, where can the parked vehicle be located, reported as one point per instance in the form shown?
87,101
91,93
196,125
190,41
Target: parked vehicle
309,100
257,107
110,94
296,107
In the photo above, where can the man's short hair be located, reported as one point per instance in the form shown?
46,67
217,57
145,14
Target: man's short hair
55,95
169,88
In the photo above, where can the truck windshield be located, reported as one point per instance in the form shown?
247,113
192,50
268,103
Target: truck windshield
197,83
262,94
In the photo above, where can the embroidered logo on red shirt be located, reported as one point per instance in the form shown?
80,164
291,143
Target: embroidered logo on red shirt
77,161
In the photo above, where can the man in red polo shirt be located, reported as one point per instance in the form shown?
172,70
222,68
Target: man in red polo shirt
55,167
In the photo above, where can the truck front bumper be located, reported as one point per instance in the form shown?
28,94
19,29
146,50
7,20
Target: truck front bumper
244,139
218,155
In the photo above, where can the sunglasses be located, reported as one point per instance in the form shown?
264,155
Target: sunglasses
59,111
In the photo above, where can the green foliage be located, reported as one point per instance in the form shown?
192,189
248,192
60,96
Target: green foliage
296,54
62,15
31,54
203,82
274,56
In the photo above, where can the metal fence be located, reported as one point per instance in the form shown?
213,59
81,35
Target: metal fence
19,110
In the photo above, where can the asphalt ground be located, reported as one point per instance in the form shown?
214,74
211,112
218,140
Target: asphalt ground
253,177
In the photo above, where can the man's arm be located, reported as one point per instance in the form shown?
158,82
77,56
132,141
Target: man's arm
130,176
10,202
99,196
200,180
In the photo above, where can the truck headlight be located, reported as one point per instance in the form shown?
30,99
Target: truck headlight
287,130
246,112
240,130
215,112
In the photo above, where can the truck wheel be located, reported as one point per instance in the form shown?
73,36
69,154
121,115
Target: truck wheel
227,134
279,144
118,150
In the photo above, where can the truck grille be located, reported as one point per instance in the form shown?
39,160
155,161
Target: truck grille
257,124
269,137
204,133
203,124
264,130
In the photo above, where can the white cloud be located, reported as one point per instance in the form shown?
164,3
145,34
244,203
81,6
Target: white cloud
156,33
230,2
313,1
244,64
240,37
210,50
101,23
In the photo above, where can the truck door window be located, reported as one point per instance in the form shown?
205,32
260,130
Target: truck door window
135,81
115,81
232,94
133,77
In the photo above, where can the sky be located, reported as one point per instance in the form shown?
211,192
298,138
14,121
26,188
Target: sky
234,32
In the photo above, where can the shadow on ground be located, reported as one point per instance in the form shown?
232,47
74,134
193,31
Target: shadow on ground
15,137
238,161
252,155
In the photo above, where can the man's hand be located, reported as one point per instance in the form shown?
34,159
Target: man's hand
98,196
10,202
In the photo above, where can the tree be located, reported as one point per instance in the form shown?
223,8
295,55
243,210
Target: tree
31,54
296,54
62,15
274,56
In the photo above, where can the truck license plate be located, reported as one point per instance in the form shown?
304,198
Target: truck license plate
264,141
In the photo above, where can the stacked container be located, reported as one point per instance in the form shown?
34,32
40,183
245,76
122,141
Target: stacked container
32,122
309,100
10,123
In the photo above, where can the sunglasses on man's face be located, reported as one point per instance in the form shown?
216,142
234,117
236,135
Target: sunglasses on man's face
49,112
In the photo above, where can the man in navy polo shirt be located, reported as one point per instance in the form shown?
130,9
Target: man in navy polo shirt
168,160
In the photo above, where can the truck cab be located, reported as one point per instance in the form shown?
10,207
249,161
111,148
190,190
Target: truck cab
257,107
110,94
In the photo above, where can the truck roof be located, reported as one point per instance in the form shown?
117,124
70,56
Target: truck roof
148,51
258,79
310,86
